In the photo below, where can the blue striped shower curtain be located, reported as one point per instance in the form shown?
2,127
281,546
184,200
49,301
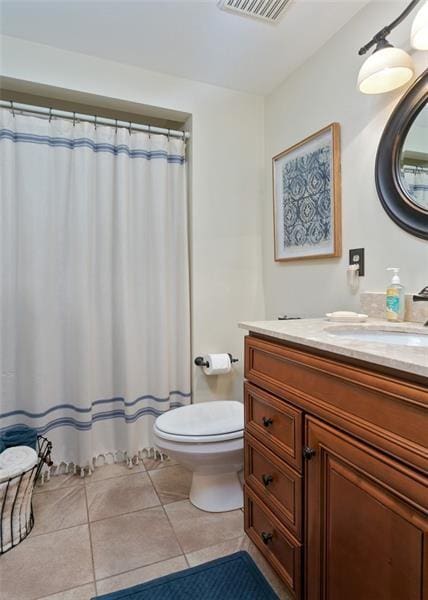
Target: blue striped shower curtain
95,317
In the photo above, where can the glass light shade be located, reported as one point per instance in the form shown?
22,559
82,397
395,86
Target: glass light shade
419,34
385,70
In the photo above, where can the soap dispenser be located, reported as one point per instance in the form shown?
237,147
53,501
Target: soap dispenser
395,297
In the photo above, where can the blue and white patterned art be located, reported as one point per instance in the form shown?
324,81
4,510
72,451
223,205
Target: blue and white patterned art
305,199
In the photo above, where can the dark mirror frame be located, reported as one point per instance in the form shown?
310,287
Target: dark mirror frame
394,198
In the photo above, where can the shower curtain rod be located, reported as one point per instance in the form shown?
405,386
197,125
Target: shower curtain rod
75,116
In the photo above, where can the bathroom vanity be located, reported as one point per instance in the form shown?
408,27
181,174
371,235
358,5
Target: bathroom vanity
336,460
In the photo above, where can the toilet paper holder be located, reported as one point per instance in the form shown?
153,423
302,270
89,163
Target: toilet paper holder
200,362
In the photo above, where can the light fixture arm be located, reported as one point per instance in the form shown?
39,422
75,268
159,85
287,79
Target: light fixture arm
381,35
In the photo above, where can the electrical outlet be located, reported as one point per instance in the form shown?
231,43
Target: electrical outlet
356,257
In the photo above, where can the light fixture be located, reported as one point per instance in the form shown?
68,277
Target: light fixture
388,68
419,34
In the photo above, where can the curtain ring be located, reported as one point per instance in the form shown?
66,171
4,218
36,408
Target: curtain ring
184,137
74,119
130,128
12,108
116,125
95,122
50,114
150,132
169,134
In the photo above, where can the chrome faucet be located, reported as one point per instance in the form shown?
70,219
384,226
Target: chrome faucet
421,297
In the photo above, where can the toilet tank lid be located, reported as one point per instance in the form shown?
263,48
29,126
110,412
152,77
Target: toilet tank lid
207,418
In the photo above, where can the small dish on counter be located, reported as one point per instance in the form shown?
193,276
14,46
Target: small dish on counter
345,316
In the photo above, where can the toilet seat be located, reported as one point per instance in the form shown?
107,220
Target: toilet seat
215,421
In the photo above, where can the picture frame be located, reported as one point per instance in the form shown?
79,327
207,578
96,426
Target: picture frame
307,198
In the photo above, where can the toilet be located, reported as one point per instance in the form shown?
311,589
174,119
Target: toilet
207,439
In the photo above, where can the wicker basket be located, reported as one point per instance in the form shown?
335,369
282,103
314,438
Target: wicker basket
16,510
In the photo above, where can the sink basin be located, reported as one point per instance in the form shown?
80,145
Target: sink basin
380,336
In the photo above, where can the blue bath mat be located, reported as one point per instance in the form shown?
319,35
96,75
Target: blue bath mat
233,577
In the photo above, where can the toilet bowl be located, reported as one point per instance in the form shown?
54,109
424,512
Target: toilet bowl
207,439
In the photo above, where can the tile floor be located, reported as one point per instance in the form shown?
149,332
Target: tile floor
115,529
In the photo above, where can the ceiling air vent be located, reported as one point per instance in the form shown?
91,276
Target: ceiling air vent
266,10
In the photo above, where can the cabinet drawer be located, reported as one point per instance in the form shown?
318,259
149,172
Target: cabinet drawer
277,484
280,548
275,423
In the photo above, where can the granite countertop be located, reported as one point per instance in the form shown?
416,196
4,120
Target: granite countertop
319,334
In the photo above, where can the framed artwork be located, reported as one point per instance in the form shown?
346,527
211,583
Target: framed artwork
306,197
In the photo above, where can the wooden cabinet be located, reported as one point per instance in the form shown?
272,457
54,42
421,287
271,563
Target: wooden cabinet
336,464
367,532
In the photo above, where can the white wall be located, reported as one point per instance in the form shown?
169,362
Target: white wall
227,167
324,90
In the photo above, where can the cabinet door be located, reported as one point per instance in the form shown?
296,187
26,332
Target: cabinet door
367,522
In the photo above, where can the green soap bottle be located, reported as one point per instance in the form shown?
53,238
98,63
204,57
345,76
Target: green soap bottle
395,297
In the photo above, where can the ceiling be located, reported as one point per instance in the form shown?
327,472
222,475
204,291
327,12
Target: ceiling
192,39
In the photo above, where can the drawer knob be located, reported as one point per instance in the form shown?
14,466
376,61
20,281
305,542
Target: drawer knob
267,421
267,479
266,537
308,453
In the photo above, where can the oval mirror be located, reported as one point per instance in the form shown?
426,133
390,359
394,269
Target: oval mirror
414,160
402,161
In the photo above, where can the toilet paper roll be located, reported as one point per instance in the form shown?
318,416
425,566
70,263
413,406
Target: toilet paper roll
218,364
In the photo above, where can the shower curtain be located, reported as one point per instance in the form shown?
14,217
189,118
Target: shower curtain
95,316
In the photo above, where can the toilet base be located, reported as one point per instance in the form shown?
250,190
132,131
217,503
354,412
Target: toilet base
218,492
